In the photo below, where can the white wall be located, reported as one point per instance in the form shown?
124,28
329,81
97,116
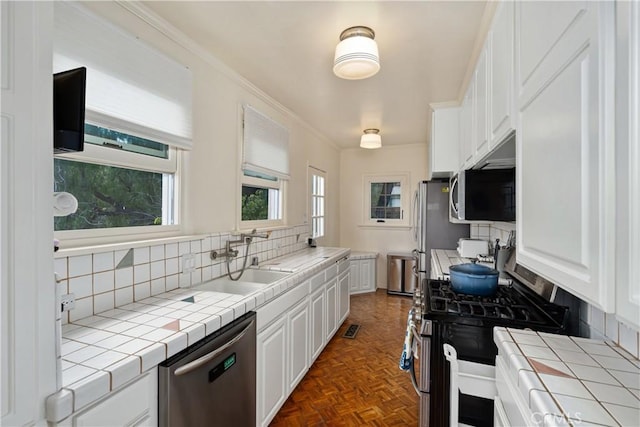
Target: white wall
211,186
354,164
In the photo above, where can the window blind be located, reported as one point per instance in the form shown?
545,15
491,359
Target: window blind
130,86
266,145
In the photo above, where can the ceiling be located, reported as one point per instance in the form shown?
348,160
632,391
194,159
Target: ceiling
286,48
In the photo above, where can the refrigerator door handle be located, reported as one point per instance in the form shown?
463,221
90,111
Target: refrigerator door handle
416,222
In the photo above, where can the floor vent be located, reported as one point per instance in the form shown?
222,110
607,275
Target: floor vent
351,331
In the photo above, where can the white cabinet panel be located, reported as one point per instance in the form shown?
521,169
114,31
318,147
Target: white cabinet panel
343,297
135,404
298,325
628,166
565,152
317,315
444,148
501,74
362,275
332,313
481,106
467,129
271,370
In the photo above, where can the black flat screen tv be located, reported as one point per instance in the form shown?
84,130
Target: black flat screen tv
69,88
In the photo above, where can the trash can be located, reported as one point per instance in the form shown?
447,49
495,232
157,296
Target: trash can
401,279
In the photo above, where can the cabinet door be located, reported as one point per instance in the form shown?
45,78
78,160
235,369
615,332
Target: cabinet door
467,132
355,266
332,313
368,275
317,326
565,158
298,325
271,370
481,106
501,71
444,151
628,167
134,404
343,297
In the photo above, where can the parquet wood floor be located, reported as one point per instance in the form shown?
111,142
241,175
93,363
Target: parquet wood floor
357,382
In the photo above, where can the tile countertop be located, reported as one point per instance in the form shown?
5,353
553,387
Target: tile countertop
104,351
577,381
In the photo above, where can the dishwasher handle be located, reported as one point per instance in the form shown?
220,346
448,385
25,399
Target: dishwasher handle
191,366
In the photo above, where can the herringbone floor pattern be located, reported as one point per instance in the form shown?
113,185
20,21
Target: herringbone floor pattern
357,382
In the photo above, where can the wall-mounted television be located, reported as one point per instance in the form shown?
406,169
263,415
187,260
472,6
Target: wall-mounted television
69,89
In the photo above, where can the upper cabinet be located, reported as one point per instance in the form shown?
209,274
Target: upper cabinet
443,150
565,145
501,74
628,162
487,114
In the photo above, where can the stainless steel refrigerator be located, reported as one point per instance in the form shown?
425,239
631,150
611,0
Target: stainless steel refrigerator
431,227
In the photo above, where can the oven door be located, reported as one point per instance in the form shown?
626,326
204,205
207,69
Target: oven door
420,369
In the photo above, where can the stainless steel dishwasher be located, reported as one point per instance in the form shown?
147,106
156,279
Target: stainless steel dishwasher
212,382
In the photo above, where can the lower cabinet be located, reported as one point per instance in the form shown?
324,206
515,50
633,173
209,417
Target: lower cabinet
293,329
363,273
271,352
134,404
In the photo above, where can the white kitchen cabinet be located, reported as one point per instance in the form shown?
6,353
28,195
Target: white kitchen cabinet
628,165
317,311
27,298
332,312
271,351
362,277
501,74
298,329
467,128
344,296
133,404
565,145
481,106
444,148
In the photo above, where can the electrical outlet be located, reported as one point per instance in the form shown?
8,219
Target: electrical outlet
67,302
188,263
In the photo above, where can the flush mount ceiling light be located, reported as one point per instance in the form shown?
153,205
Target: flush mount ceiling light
371,139
357,54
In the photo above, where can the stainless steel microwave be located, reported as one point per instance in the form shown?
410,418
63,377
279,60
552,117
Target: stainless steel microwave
483,195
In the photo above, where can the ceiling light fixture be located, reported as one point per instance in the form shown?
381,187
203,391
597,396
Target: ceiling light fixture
357,54
371,139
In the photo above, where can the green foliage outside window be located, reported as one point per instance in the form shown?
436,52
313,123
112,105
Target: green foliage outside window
255,203
108,196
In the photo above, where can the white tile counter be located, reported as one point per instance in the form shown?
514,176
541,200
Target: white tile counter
101,352
566,380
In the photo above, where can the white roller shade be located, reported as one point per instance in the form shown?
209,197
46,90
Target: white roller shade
266,145
130,86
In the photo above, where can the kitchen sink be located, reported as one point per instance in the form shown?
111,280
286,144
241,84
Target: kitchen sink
252,280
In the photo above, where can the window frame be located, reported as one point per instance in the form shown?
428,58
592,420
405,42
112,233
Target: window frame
108,156
405,199
315,172
252,181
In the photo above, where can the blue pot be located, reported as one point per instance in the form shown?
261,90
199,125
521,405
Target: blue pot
474,279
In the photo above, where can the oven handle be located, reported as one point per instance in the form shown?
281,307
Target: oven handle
191,366
412,371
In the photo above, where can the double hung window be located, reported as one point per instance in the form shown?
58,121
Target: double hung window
386,200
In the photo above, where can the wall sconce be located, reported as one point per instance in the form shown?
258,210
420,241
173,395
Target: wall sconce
371,139
356,55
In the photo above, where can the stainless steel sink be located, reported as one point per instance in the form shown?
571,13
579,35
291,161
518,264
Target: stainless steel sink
252,280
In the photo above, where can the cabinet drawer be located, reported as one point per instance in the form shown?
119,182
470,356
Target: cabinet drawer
331,272
343,265
317,281
273,309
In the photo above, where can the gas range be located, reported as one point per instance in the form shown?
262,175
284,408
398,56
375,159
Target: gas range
512,305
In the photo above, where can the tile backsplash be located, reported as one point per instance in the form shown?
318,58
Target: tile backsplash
106,279
593,322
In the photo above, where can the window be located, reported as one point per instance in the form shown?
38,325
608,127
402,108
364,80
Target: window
386,199
264,169
261,199
119,180
317,210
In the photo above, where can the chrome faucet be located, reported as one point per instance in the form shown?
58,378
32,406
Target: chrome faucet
247,238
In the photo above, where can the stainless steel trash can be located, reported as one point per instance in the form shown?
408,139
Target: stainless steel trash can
401,278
